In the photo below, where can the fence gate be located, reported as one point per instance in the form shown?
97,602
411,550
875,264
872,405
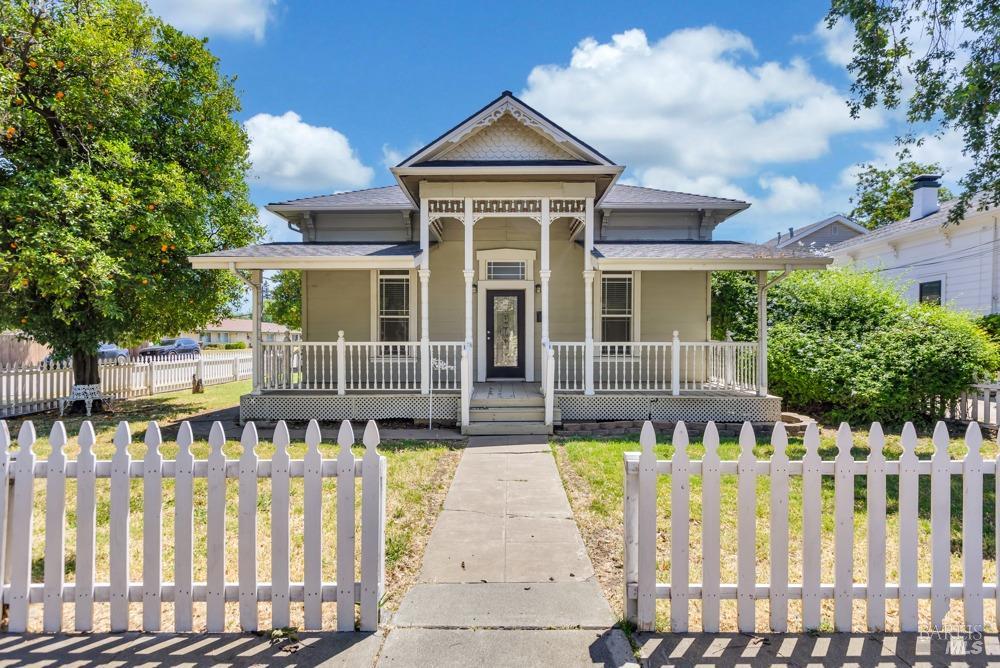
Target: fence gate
107,483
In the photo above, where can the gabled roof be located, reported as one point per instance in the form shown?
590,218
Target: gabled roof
906,226
508,109
619,197
800,233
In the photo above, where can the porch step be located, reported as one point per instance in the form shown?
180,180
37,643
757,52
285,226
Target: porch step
511,414
532,401
506,429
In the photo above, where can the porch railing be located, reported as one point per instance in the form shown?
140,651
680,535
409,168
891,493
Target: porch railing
358,366
657,366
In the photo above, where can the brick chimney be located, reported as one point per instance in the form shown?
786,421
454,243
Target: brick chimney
925,195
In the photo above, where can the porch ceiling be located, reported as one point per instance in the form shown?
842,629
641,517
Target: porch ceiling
313,255
702,255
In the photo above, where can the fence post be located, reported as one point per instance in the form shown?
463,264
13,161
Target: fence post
200,366
675,365
631,558
646,552
341,363
150,377
236,367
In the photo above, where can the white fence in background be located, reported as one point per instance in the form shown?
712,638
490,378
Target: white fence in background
980,404
359,366
672,366
38,387
20,471
643,469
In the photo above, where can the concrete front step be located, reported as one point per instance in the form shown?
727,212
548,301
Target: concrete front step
511,414
506,428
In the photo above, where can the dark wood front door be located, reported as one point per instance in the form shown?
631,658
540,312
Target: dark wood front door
505,334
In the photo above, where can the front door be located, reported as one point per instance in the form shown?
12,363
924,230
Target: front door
505,334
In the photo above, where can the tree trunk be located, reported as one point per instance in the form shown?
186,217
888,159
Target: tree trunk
85,372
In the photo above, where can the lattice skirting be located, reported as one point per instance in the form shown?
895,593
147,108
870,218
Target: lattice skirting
720,408
357,407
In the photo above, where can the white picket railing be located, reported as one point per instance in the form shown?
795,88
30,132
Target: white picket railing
651,366
352,366
640,523
19,471
28,389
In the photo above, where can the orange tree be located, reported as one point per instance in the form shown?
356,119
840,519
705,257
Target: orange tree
119,157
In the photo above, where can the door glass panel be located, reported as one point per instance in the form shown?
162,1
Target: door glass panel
505,343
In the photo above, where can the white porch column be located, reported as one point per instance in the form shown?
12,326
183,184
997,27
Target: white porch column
469,273
588,298
762,333
544,273
425,276
257,308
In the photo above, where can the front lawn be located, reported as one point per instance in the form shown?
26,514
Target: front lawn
592,471
419,474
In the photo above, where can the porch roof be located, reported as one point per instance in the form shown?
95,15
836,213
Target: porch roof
312,255
702,255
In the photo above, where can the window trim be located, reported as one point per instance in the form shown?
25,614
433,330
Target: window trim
373,332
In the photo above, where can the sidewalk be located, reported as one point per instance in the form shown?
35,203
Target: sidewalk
506,579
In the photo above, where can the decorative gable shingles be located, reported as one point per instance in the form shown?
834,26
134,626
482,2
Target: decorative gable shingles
506,139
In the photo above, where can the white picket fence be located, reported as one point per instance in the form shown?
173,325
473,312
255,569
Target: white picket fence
643,469
19,472
32,388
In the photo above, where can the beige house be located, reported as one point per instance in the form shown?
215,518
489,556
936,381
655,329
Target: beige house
510,279
237,330
819,235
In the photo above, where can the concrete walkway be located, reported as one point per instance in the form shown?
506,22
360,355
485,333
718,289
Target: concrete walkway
506,579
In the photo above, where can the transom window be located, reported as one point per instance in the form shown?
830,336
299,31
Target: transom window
505,270
616,307
394,305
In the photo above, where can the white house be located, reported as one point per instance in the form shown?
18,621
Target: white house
819,235
237,330
509,282
956,265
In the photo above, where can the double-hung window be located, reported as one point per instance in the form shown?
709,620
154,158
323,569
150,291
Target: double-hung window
616,308
394,305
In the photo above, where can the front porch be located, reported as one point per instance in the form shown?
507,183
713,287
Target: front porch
672,380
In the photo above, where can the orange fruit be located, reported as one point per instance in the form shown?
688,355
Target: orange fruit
60,95
60,64
145,281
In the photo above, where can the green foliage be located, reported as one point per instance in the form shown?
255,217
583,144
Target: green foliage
883,196
848,346
120,159
991,325
732,292
237,345
284,300
949,52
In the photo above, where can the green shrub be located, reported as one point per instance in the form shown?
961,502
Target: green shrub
991,325
212,346
848,346
237,345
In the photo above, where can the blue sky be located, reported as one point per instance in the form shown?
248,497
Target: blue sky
735,99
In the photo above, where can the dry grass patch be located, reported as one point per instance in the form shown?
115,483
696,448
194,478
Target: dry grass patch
593,474
419,473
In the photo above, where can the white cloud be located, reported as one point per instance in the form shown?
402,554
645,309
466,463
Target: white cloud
837,42
290,154
945,151
694,110
233,18
786,194
391,156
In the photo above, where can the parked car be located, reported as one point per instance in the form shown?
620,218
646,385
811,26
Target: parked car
172,348
111,352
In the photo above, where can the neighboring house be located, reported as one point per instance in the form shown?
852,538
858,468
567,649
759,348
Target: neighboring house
236,330
508,251
958,265
819,235
16,348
